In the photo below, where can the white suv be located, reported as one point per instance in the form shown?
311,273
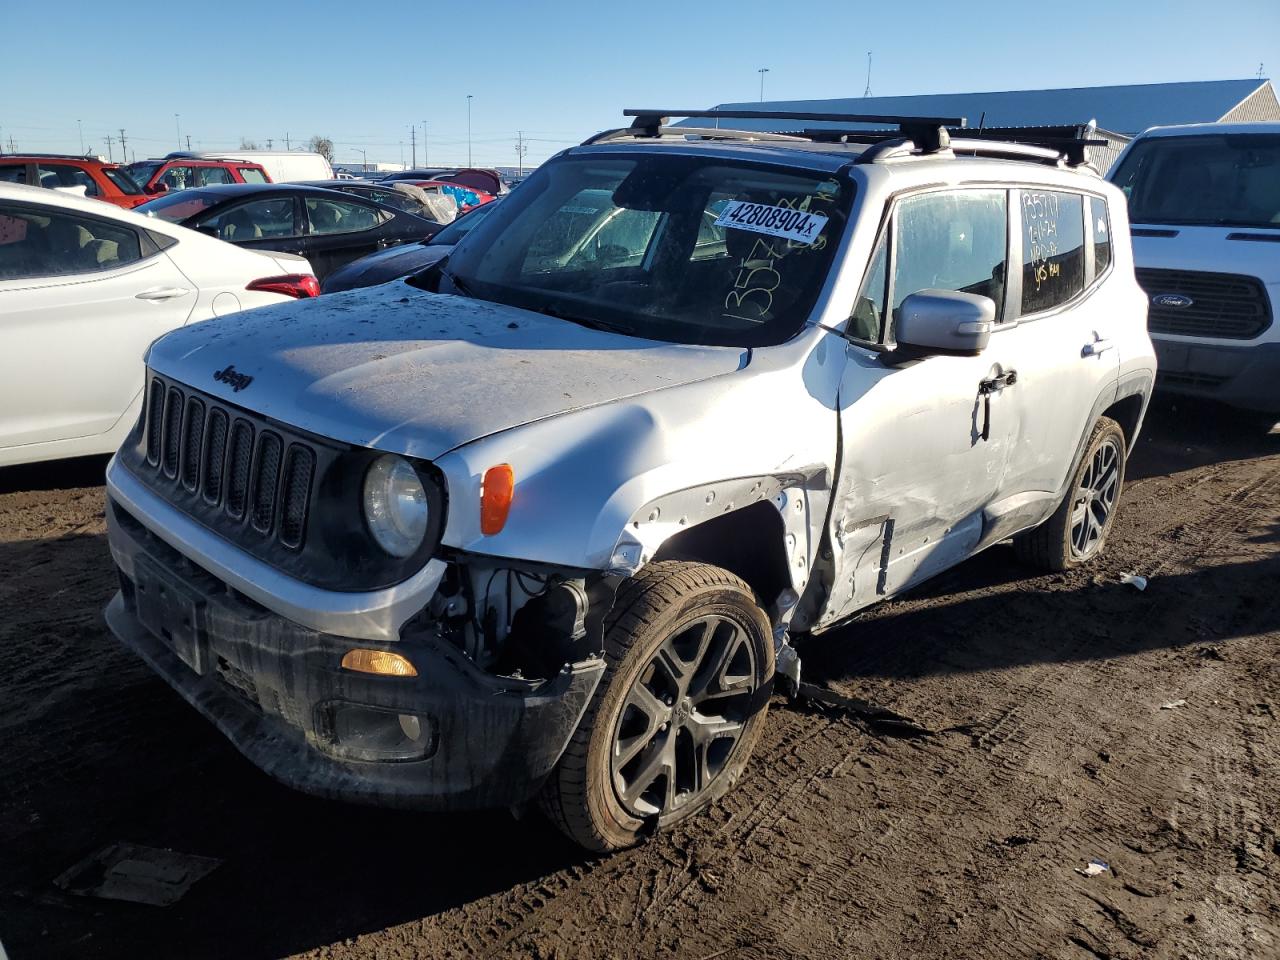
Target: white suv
1205,203
538,522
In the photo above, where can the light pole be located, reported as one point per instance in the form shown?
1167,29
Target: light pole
177,125
364,161
80,127
426,157
468,129
762,71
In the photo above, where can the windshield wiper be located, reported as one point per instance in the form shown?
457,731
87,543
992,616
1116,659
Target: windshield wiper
591,322
458,284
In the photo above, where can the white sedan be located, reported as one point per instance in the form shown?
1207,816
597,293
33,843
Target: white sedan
84,288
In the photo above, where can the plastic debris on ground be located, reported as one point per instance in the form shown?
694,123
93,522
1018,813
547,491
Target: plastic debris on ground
1134,580
138,874
1093,868
1173,704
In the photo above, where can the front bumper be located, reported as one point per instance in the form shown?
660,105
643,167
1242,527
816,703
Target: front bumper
1242,376
274,688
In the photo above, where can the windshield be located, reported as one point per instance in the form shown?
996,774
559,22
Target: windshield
144,170
120,177
181,204
461,226
1230,180
663,246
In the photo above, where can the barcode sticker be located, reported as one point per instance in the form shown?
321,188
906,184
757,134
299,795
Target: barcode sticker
798,225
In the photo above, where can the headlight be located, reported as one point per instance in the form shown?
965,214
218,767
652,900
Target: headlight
395,506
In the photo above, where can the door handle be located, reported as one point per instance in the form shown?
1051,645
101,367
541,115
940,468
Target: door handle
1099,346
985,389
162,293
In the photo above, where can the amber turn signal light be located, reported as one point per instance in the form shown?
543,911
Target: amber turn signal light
495,498
382,662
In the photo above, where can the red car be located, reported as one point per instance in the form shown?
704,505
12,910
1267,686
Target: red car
182,173
101,180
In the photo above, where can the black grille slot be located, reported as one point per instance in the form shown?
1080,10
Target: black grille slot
266,481
192,444
298,469
215,455
1225,305
240,457
172,434
155,422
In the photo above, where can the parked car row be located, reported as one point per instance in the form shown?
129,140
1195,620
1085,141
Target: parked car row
84,287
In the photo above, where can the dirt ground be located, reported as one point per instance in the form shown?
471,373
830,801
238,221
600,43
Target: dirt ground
1052,748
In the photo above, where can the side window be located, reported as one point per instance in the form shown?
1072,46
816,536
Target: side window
340,216
178,178
1052,249
212,176
13,173
251,175
45,243
1101,226
867,322
65,175
952,240
255,220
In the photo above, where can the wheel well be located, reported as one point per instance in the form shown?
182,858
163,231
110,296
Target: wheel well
746,542
1128,413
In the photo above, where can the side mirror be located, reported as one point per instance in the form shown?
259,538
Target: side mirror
946,322
157,188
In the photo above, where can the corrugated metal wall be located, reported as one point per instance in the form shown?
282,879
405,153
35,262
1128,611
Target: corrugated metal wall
1104,157
1259,105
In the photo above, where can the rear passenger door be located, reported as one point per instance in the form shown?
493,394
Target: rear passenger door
339,230
271,223
1058,335
83,296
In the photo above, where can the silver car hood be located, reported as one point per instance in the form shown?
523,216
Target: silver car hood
417,373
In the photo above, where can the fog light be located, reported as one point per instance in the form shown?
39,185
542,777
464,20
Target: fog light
382,662
358,732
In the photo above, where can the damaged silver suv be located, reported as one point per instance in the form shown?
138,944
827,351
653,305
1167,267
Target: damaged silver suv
535,525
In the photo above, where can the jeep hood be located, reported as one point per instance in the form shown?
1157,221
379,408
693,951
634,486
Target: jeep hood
411,372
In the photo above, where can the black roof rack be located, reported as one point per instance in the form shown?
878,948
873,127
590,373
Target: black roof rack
925,135
928,133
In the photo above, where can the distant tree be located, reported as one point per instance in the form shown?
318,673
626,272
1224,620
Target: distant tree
322,146
247,144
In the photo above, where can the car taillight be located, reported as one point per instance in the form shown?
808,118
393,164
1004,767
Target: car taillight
298,285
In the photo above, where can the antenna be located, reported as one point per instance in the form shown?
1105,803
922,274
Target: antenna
867,91
1260,66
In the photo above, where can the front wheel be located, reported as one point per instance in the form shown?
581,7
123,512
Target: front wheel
1077,531
689,672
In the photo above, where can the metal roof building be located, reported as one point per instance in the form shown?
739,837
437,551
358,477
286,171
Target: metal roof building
1118,112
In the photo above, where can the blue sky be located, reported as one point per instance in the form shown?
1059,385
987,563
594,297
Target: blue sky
559,71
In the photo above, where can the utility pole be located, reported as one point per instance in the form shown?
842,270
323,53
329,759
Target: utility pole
426,160
177,125
269,142
521,149
287,145
867,91
110,158
364,160
413,143
762,71
124,156
80,127
468,129
188,143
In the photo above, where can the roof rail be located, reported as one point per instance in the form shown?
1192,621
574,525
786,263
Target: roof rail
929,133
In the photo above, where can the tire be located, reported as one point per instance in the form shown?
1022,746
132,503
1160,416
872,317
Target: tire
694,636
1060,543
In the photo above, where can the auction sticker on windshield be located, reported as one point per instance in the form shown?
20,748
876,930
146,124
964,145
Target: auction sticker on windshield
783,222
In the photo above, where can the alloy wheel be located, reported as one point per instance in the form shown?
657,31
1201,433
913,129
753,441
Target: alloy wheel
683,717
1095,499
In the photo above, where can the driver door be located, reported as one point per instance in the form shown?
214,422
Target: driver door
923,447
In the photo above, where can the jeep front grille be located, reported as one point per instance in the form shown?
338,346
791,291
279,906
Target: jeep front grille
1226,305
248,472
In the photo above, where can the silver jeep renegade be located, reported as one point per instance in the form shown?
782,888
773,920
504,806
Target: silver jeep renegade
537,524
